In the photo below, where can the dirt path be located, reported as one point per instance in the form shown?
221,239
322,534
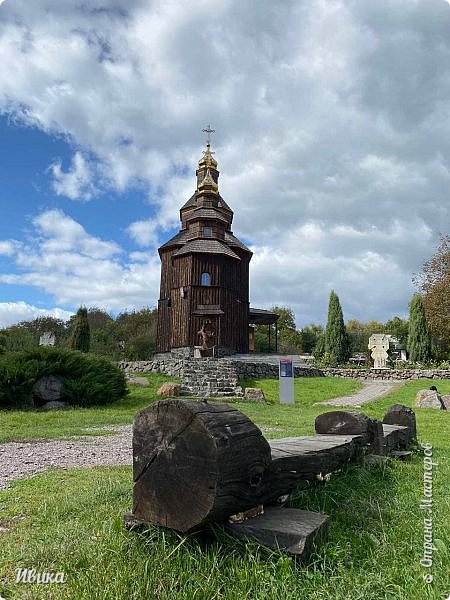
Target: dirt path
371,391
24,459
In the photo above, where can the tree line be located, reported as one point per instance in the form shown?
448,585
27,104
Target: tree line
132,335
129,335
426,334
335,343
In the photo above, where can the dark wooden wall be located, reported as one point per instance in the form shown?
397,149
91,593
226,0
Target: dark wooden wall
178,325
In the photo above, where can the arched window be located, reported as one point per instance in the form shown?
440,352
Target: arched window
205,279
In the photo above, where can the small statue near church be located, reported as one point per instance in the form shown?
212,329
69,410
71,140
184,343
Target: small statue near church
207,335
379,346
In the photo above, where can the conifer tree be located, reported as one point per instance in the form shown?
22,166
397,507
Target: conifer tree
337,345
80,338
419,337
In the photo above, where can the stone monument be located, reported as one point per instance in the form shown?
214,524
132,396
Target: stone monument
47,339
379,346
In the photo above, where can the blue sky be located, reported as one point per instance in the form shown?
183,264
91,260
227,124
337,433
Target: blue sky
332,136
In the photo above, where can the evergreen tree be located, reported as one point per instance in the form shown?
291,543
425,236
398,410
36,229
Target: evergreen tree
80,338
337,345
419,338
319,348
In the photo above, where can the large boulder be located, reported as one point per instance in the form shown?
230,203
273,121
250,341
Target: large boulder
446,401
169,390
428,399
48,388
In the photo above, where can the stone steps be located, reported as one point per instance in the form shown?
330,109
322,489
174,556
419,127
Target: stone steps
210,377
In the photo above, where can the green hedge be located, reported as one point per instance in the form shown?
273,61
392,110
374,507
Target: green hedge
88,380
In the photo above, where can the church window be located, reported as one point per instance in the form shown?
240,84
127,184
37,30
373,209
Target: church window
205,279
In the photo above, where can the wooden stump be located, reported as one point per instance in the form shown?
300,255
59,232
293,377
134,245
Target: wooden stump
398,414
194,463
347,422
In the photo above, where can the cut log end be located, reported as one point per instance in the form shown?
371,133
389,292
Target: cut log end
194,463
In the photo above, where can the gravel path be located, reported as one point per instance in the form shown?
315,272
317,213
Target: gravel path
371,391
24,459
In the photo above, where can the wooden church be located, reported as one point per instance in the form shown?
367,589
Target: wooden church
204,293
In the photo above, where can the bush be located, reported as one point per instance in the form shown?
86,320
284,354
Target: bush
88,380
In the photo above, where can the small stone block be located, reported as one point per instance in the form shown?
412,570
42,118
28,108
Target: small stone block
289,530
254,395
404,455
169,390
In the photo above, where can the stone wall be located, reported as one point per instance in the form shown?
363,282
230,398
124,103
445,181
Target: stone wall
221,377
259,370
173,367
389,374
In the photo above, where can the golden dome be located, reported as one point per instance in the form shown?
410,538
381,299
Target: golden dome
207,160
208,184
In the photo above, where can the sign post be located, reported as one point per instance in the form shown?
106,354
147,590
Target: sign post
286,378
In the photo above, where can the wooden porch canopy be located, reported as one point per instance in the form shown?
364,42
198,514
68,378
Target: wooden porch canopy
259,316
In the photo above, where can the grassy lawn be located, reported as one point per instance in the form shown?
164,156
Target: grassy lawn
19,425
33,424
70,521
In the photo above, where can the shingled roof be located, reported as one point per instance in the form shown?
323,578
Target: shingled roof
233,241
207,213
178,240
206,246
193,202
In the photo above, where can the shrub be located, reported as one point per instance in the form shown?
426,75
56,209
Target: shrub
88,380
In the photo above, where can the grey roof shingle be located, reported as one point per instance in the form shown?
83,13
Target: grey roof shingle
207,213
233,241
206,246
193,202
178,240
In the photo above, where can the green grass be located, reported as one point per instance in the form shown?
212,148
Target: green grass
71,521
21,425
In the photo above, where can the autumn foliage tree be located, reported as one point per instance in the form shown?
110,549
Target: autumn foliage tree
434,285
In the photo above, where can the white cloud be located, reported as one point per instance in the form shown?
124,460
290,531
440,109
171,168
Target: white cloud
76,268
76,183
144,232
7,248
333,133
14,312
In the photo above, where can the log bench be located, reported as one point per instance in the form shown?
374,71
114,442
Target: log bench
197,463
